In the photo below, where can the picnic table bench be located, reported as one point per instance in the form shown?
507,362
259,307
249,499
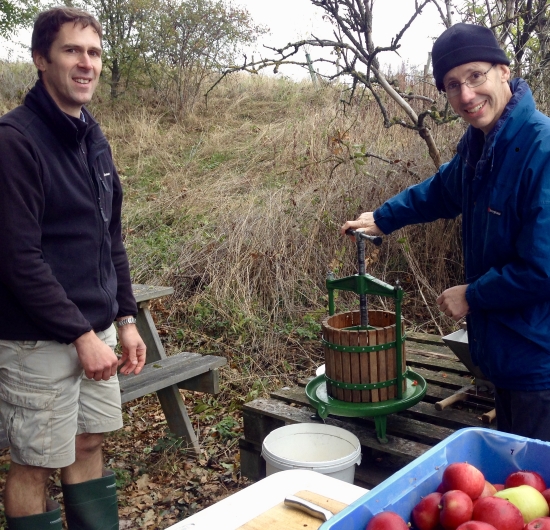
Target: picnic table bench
164,374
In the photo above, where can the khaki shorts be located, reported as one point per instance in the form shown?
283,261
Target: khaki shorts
46,400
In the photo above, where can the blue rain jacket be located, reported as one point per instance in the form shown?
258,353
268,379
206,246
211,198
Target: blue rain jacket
501,185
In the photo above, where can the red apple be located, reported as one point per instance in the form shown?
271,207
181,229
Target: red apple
529,478
456,508
502,515
387,521
464,477
488,490
476,525
546,495
499,487
425,515
441,488
540,523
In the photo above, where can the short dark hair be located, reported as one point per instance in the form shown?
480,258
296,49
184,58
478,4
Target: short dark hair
48,23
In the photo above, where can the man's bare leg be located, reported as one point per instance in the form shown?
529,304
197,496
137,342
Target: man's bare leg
25,490
88,464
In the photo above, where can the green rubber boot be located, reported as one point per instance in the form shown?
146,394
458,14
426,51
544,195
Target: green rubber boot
92,505
49,520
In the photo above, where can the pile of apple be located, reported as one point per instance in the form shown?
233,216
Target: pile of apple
466,501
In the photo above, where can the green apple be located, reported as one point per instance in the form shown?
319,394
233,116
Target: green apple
529,501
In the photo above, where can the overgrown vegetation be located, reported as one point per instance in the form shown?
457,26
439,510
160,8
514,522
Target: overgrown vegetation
237,206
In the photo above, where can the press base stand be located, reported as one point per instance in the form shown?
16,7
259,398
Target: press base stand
316,391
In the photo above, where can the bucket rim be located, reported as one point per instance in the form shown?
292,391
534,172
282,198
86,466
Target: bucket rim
327,466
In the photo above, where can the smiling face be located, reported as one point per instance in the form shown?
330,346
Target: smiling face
71,72
483,105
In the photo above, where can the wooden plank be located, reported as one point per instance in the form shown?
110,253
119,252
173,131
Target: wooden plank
452,418
373,365
176,417
444,379
355,364
146,327
382,365
366,434
257,427
431,363
364,366
142,293
338,372
425,338
346,363
165,372
209,382
391,362
397,425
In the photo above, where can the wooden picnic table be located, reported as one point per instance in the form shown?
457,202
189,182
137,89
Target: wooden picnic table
164,374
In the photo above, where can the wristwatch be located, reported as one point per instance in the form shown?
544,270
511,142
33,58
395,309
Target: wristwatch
124,321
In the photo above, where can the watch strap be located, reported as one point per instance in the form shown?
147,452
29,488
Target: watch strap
125,321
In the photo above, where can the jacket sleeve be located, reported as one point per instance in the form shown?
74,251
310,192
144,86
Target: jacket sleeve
524,281
125,296
439,197
23,270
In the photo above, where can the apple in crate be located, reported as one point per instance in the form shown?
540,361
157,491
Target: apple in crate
425,515
456,508
498,512
488,490
546,495
528,500
540,523
528,478
476,525
464,477
387,521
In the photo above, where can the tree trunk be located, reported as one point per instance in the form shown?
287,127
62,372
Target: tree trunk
115,79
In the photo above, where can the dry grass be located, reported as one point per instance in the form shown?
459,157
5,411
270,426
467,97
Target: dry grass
238,207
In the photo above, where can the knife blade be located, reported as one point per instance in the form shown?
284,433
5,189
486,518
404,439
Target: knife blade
308,507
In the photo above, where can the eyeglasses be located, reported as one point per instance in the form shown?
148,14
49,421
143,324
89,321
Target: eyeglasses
475,79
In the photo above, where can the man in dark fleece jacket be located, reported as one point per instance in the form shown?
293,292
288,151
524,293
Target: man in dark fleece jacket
499,181
64,280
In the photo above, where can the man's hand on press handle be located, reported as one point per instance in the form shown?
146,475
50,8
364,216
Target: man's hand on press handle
364,223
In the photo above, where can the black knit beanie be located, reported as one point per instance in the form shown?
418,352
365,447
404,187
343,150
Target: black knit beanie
461,44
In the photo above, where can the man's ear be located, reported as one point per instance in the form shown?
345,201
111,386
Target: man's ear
504,72
39,61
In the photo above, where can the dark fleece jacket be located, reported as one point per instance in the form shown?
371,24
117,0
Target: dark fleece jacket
63,267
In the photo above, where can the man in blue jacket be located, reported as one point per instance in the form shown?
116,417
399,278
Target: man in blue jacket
499,181
64,280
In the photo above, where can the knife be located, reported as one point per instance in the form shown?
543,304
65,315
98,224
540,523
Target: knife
308,507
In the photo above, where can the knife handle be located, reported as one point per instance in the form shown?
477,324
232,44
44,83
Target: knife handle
308,507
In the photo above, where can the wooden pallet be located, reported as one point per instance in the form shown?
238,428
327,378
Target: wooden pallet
410,432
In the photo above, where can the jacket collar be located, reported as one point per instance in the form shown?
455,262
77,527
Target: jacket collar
474,145
41,103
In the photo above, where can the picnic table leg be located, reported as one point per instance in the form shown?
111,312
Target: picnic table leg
149,334
170,399
177,417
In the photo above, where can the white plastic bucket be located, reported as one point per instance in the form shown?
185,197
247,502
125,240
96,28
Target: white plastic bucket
318,447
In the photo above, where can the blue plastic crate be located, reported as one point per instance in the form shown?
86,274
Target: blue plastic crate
495,453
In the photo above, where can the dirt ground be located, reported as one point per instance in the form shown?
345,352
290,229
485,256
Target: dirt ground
159,483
